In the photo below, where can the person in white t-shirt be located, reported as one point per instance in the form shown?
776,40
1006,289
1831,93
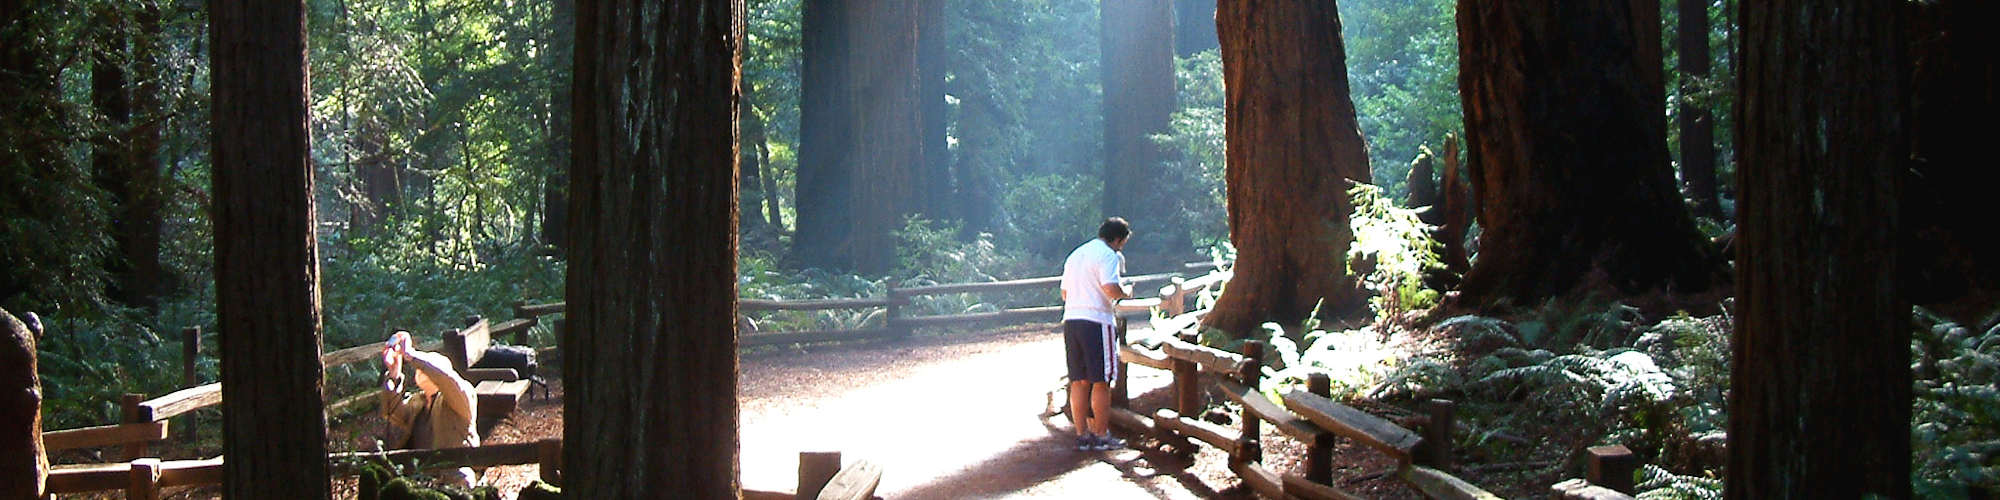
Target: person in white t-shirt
1090,290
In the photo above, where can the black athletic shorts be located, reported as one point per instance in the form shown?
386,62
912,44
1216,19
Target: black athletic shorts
1092,350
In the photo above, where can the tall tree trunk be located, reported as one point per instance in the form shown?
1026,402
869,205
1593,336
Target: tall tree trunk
1457,215
117,164
887,125
143,214
1565,122
935,165
1952,261
1139,102
266,261
1194,27
1696,122
21,454
1822,338
978,126
1293,148
555,190
753,224
652,409
820,237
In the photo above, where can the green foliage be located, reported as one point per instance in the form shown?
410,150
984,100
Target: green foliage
1196,145
1955,439
1051,214
1401,249
1661,484
1402,64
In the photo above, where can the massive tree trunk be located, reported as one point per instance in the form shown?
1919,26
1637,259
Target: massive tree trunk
979,124
1697,123
935,164
1139,102
1822,338
888,126
1953,256
1293,150
652,295
824,224
119,165
555,189
1565,122
22,460
1194,27
859,133
266,259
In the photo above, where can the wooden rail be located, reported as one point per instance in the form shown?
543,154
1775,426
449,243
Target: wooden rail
144,477
1309,416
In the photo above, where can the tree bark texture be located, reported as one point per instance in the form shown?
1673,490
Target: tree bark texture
1820,387
652,269
1565,124
824,225
22,460
1457,207
1194,27
1953,259
1697,123
1293,152
1139,102
266,260
555,190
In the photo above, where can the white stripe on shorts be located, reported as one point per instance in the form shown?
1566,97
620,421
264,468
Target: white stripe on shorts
1110,354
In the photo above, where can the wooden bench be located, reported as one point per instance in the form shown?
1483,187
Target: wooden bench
499,389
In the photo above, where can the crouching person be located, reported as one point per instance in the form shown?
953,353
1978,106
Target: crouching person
440,414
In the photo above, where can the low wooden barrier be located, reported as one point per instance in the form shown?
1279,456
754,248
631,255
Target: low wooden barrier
899,323
145,477
1309,416
1609,477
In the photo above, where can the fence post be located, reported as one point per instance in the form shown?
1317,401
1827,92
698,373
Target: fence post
1435,450
1319,456
1174,300
897,301
190,360
130,404
520,312
145,480
551,454
1612,467
816,468
1121,396
1187,388
1250,442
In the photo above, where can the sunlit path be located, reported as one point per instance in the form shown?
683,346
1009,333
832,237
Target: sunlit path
953,418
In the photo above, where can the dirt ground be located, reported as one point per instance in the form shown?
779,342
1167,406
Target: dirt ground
946,416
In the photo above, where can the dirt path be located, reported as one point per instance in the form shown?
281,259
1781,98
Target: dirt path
946,417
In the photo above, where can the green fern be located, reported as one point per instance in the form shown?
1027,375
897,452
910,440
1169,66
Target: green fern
1660,484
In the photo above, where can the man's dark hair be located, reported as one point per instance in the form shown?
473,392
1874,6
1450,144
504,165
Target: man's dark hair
1114,229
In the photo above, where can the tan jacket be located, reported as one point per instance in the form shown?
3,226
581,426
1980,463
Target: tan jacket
425,419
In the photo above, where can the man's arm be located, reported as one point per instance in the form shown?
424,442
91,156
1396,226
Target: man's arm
1116,291
457,392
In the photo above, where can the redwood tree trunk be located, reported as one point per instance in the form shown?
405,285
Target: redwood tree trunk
22,460
1194,22
555,190
1565,123
1293,148
652,296
266,260
121,168
887,124
1696,122
1822,339
825,220
1139,102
